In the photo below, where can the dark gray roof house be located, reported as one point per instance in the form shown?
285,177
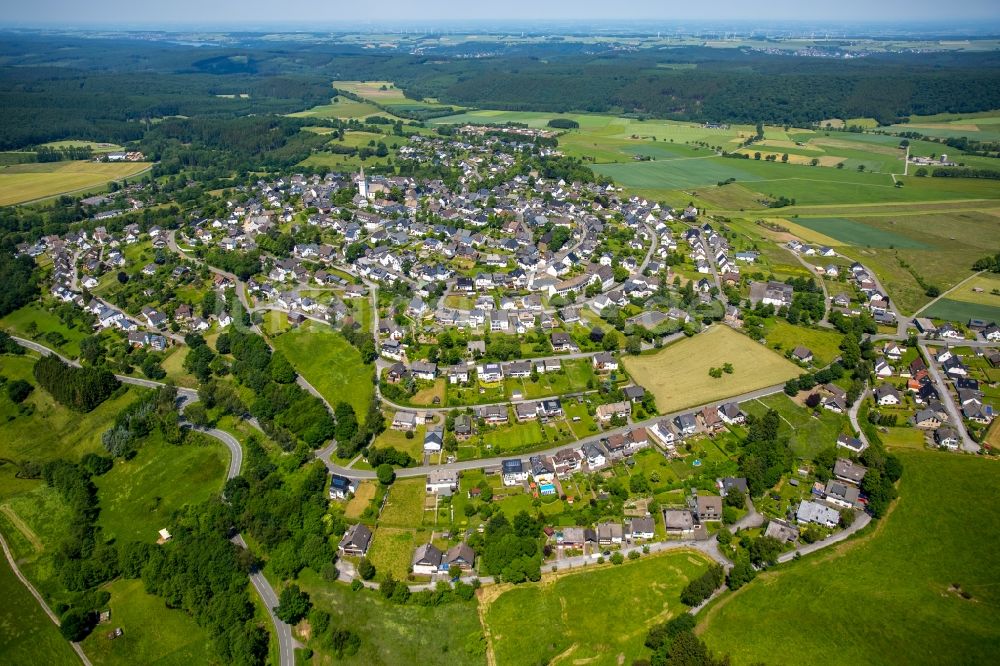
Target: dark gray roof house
356,540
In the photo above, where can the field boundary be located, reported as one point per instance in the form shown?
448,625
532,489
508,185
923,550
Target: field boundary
22,527
81,189
38,597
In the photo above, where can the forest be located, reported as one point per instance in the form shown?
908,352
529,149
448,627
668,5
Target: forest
118,89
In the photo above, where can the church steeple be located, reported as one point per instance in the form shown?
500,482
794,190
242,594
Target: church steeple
362,183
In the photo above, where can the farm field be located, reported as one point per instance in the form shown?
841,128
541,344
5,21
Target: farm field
536,623
979,290
27,182
138,495
343,108
386,94
329,363
678,375
894,571
152,632
852,232
94,146
940,247
27,635
962,311
446,635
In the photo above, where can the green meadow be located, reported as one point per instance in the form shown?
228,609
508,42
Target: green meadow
329,363
446,635
852,232
27,635
962,311
918,588
153,634
138,495
558,618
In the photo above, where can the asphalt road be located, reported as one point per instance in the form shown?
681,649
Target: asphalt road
187,396
949,402
860,520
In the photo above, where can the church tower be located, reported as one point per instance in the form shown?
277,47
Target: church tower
363,184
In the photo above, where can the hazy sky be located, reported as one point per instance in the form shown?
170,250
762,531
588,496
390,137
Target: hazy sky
328,12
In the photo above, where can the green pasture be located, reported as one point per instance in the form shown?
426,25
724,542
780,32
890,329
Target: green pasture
138,495
329,363
962,311
446,635
538,622
888,597
27,635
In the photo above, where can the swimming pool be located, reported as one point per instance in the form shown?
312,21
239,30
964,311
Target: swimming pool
547,489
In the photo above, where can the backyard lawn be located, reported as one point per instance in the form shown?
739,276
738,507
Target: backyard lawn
678,375
808,434
887,597
556,619
392,550
405,506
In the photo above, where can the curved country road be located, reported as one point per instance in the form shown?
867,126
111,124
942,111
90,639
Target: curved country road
283,631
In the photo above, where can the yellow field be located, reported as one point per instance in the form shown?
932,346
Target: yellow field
27,182
987,282
372,90
357,505
678,375
806,234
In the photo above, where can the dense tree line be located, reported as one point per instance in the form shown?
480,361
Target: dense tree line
9,346
285,514
204,574
116,88
991,264
18,282
287,412
155,411
241,264
703,586
103,97
231,144
879,484
674,643
81,389
510,549
765,456
965,172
